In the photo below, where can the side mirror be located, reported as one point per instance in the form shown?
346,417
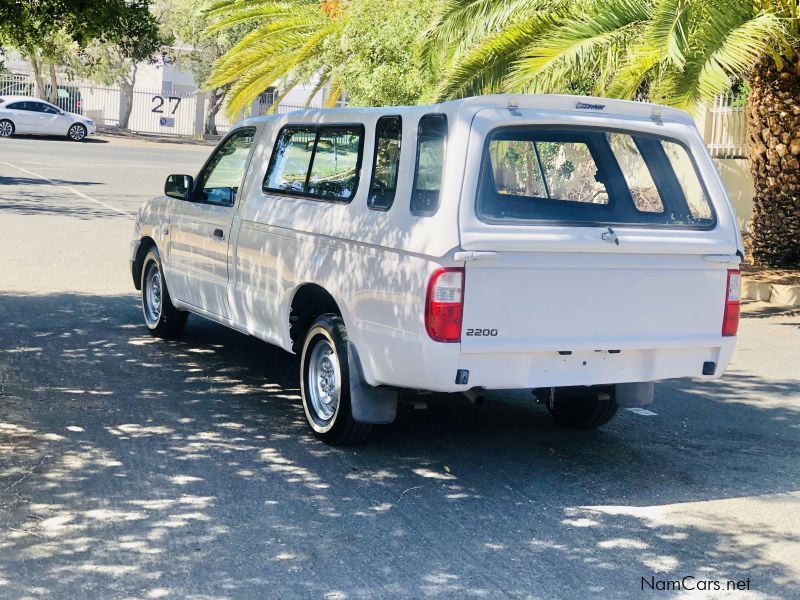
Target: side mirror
179,186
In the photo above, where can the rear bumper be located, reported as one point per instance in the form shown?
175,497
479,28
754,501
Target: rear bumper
435,367
551,369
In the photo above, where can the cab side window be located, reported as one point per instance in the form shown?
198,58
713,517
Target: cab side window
319,162
334,168
431,138
386,163
219,182
291,159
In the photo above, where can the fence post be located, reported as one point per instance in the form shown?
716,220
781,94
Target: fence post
199,113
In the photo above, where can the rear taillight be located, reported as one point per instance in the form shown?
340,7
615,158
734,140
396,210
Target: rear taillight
730,322
444,305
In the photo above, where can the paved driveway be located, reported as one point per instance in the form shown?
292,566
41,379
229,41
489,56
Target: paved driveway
132,467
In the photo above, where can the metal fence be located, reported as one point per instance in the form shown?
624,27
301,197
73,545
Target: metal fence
726,128
169,112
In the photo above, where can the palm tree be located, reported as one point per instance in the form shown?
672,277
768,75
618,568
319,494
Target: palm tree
284,43
677,52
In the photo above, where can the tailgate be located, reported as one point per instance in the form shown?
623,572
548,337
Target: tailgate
527,302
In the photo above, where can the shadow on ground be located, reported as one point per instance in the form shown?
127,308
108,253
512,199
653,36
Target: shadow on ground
134,466
58,138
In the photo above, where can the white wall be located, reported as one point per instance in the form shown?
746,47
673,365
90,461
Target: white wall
739,185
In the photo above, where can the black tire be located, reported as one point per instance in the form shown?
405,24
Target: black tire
7,128
161,317
583,407
332,422
77,132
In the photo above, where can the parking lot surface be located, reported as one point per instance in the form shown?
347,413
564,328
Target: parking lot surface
132,467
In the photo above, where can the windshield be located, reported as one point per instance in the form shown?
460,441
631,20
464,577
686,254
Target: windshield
590,177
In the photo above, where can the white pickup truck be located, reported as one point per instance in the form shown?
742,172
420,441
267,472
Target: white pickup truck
579,247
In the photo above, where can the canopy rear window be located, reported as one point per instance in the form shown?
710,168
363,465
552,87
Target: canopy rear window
590,177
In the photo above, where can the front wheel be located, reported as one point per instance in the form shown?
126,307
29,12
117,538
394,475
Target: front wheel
325,383
161,317
77,132
6,128
582,407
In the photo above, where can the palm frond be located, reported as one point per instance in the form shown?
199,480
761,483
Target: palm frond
726,47
669,28
258,67
483,69
581,46
636,69
458,25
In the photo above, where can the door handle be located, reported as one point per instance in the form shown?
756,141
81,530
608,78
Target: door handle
219,234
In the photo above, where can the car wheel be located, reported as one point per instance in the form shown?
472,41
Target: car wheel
6,128
325,383
582,407
161,317
77,132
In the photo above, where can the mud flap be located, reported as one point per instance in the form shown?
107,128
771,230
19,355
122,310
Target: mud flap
369,404
632,395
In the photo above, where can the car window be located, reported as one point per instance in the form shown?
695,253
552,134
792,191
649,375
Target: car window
386,163
219,182
291,159
590,176
431,137
46,108
18,106
637,176
320,162
334,167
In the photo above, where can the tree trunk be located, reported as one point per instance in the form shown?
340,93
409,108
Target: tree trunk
773,111
37,73
52,93
215,98
126,97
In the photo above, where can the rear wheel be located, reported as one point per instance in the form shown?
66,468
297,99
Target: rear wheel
161,317
6,128
582,407
325,383
77,132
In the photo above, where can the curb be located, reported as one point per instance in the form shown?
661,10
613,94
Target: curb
111,131
774,293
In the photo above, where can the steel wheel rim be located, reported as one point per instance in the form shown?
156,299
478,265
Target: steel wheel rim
5,129
324,380
152,295
76,132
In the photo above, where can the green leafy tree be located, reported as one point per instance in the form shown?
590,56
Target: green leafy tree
43,30
373,57
364,48
677,52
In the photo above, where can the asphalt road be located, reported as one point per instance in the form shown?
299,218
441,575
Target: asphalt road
137,468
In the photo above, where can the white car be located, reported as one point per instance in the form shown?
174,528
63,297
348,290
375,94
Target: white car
579,247
27,115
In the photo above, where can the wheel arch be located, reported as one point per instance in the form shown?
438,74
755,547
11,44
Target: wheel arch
308,301
144,246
